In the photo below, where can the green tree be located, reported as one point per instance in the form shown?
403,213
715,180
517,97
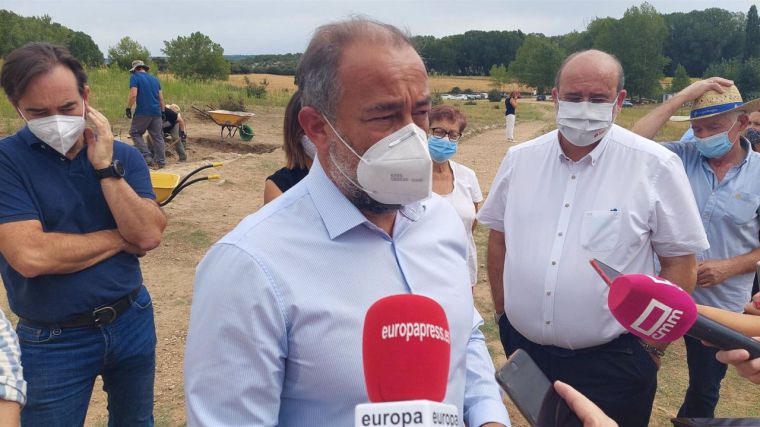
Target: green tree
680,79
537,62
197,57
748,80
752,35
729,69
84,49
126,51
701,37
637,40
499,76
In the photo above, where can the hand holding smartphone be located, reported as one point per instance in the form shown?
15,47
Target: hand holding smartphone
533,394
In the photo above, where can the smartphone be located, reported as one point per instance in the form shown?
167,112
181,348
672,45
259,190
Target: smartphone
533,394
607,273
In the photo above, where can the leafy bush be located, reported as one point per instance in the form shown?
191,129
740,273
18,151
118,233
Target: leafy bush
232,103
494,95
256,90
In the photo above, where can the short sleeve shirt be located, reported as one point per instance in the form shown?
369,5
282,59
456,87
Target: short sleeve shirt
623,203
65,196
463,198
148,86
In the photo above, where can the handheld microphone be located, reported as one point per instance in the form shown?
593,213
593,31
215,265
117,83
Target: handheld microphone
655,309
406,349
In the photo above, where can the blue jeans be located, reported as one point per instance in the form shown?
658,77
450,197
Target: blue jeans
60,367
705,375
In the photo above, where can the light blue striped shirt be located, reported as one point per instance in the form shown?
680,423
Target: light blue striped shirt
278,307
729,211
12,384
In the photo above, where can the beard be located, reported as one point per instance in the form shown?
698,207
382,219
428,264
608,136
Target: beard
343,174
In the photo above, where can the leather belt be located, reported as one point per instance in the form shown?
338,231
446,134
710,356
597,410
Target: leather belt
100,316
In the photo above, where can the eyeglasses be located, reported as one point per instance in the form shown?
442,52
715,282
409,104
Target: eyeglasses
442,133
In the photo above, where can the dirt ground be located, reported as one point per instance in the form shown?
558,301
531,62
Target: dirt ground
203,213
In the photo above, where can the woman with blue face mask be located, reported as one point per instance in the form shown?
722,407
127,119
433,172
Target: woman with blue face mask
453,181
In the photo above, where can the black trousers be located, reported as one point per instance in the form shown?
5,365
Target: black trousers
620,376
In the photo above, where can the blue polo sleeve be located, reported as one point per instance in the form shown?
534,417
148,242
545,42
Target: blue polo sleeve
133,81
136,171
16,203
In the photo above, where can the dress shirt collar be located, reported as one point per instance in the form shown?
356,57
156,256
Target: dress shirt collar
592,157
338,213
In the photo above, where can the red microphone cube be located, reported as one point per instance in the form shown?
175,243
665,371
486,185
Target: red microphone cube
406,349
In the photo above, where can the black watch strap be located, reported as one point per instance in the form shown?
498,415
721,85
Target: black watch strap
114,170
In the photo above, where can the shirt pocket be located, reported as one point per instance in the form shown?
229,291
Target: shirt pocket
600,230
742,207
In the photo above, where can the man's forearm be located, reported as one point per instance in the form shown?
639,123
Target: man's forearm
131,100
39,253
139,220
497,252
9,413
745,264
681,270
649,125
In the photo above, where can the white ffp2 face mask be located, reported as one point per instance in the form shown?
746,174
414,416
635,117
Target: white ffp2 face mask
584,123
396,170
60,132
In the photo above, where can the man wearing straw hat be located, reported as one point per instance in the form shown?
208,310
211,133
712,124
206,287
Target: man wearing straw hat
724,174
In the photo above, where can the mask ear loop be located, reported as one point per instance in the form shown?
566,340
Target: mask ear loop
341,139
22,115
354,183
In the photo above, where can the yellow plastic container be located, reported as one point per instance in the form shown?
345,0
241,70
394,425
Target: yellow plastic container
163,184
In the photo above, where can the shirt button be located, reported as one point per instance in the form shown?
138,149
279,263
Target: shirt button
559,234
567,205
548,322
548,293
554,262
572,177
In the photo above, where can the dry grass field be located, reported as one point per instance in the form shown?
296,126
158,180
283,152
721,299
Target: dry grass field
442,84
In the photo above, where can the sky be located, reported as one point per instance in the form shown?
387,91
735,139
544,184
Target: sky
249,27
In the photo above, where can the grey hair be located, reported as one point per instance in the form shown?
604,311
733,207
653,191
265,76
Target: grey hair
317,72
621,74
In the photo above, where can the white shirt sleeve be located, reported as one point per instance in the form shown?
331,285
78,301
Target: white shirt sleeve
477,194
492,214
236,344
675,222
12,384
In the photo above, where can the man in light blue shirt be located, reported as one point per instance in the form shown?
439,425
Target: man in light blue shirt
724,173
276,326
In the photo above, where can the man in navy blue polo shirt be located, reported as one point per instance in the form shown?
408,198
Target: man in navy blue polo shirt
76,211
145,92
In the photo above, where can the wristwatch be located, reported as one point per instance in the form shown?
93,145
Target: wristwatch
114,170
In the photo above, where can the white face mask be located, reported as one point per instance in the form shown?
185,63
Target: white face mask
308,147
396,170
60,132
584,123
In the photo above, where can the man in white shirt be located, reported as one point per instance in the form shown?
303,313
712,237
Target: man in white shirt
590,189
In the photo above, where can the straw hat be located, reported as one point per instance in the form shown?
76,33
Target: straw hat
712,103
137,63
